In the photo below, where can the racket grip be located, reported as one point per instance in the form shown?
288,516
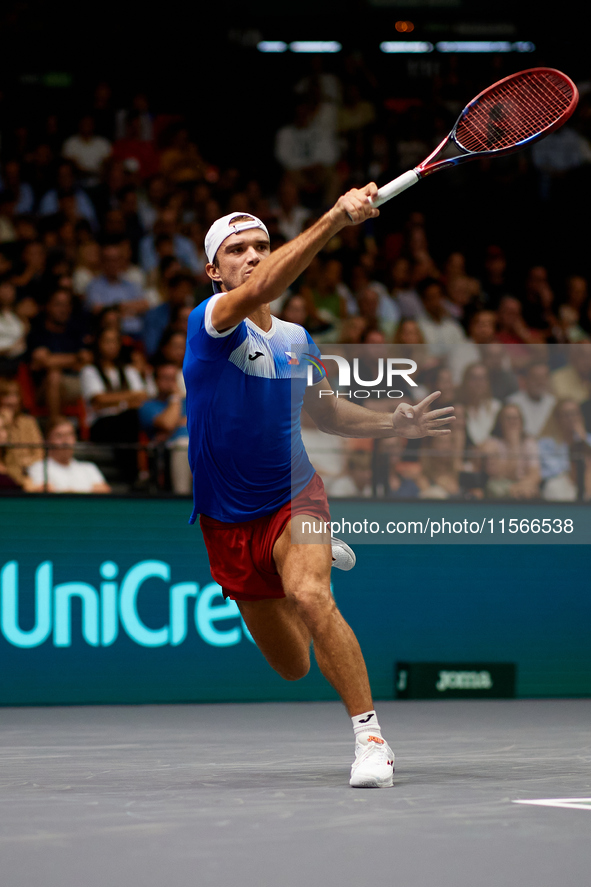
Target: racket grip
396,186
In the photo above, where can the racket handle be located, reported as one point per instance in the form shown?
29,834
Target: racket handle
396,186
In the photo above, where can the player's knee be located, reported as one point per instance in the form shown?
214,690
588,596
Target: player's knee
314,601
295,671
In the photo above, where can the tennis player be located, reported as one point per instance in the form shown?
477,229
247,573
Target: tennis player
254,486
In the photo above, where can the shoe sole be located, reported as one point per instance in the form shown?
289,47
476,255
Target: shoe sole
353,557
372,783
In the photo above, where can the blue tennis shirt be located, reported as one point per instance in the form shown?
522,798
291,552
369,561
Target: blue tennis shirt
244,397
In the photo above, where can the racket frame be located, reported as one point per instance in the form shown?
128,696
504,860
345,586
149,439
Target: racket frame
427,167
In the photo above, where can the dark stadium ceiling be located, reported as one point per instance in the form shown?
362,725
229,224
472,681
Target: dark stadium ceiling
68,35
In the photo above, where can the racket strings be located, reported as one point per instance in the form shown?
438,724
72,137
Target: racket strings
513,112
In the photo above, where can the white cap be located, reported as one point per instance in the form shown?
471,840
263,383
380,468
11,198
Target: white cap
223,228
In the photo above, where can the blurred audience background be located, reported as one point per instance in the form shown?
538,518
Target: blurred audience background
104,204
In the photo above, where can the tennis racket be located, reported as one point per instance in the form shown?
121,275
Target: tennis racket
509,115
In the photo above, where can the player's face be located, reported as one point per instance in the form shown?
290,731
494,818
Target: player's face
238,256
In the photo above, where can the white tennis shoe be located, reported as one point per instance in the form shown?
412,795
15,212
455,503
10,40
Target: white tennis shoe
373,766
343,557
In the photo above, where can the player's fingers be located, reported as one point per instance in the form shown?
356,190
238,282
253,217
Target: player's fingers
351,204
422,406
437,432
358,208
371,189
435,414
433,423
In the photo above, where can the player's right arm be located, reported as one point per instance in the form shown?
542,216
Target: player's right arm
273,275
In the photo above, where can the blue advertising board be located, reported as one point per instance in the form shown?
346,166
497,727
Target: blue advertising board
110,600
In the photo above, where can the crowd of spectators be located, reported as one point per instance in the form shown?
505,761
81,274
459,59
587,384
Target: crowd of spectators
522,428
102,221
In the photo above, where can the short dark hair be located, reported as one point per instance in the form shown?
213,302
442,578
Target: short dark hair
164,363
183,277
56,422
423,285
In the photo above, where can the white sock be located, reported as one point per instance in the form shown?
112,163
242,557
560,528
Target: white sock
365,725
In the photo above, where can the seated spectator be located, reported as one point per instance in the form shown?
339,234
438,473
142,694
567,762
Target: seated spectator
440,330
403,474
59,472
408,332
132,272
295,310
569,329
113,392
13,329
481,331
7,481
26,227
494,280
182,247
141,106
565,461
480,405
357,482
168,267
128,205
511,327
111,288
66,183
354,124
87,151
576,295
133,146
179,318
535,400
30,278
180,291
437,378
558,154
511,460
329,299
406,297
309,151
11,181
22,430
164,419
499,359
7,216
455,269
56,345
538,302
88,267
461,297
151,199
290,214
441,467
172,350
573,381
386,313
180,160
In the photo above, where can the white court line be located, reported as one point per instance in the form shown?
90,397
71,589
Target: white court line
566,803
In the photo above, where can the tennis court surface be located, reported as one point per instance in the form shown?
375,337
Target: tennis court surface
258,794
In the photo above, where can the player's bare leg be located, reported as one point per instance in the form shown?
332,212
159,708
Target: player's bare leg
280,635
304,568
305,574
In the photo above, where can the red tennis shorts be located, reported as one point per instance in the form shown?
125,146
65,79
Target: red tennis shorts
241,554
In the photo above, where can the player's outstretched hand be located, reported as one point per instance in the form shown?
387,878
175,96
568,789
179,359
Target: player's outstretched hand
419,421
355,206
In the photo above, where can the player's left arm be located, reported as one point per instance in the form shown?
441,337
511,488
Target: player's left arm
339,416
